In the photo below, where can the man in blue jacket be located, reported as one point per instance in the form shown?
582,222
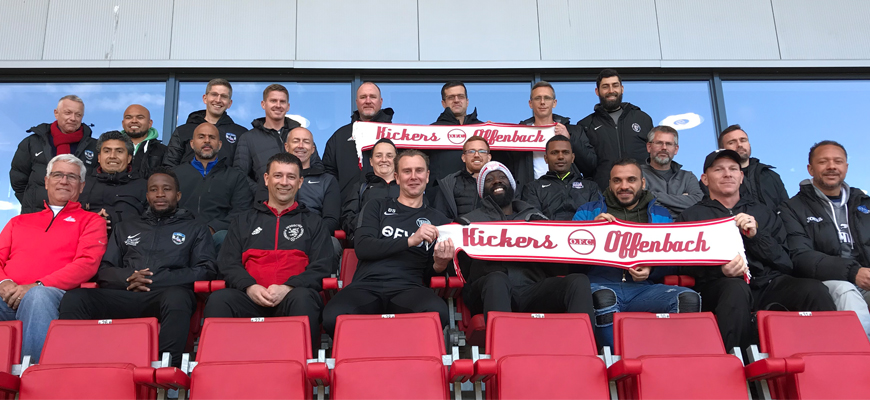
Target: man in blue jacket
631,290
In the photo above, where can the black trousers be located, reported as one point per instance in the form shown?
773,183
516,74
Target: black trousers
733,302
380,298
172,306
494,292
234,303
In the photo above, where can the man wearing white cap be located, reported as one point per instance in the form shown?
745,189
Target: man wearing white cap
514,285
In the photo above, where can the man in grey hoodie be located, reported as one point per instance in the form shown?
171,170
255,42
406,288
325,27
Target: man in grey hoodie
673,187
828,225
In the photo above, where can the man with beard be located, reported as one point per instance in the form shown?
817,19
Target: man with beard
673,187
66,135
148,151
612,292
771,286
136,284
396,245
533,165
265,139
563,189
218,98
512,285
454,99
340,158
616,130
828,225
379,183
275,255
759,180
113,191
456,194
213,191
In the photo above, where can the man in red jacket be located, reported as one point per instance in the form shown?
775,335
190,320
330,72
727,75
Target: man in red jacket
44,254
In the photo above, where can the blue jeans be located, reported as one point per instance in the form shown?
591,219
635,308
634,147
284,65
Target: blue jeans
635,297
36,311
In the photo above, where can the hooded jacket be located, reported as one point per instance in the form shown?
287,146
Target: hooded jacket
340,158
676,194
529,272
266,247
813,237
179,149
766,251
584,155
456,194
254,149
646,211
374,187
627,138
177,249
761,182
559,198
60,250
216,198
319,192
445,162
30,162
122,195
148,154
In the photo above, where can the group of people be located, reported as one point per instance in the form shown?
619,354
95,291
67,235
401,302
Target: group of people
258,208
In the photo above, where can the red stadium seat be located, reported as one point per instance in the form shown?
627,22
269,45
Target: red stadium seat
392,357
813,355
674,356
251,358
10,354
105,359
549,356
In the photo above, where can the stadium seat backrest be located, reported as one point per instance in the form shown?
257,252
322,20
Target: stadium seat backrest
646,334
539,334
132,341
348,266
401,335
10,344
787,333
255,339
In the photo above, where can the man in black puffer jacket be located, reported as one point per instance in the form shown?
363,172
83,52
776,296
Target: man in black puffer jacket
456,194
560,192
340,158
454,99
218,99
149,268
517,286
616,129
66,135
265,139
772,286
113,190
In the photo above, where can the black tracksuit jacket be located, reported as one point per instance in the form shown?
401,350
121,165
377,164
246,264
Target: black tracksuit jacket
218,197
614,141
179,149
559,199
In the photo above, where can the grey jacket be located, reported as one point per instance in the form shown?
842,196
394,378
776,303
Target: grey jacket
677,194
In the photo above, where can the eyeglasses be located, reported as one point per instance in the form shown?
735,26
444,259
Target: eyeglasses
456,97
547,99
664,144
58,176
471,152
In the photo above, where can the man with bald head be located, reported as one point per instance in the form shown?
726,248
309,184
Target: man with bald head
66,135
340,158
148,151
212,190
319,191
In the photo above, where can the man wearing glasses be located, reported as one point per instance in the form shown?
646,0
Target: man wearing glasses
456,193
44,254
673,187
454,99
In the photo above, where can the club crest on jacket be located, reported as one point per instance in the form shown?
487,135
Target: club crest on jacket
293,232
178,238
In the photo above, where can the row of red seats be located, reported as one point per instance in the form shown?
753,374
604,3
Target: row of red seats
808,356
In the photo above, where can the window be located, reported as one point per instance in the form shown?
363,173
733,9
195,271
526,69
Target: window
24,105
326,106
686,105
783,119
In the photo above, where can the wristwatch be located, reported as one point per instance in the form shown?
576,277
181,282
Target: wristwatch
39,283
